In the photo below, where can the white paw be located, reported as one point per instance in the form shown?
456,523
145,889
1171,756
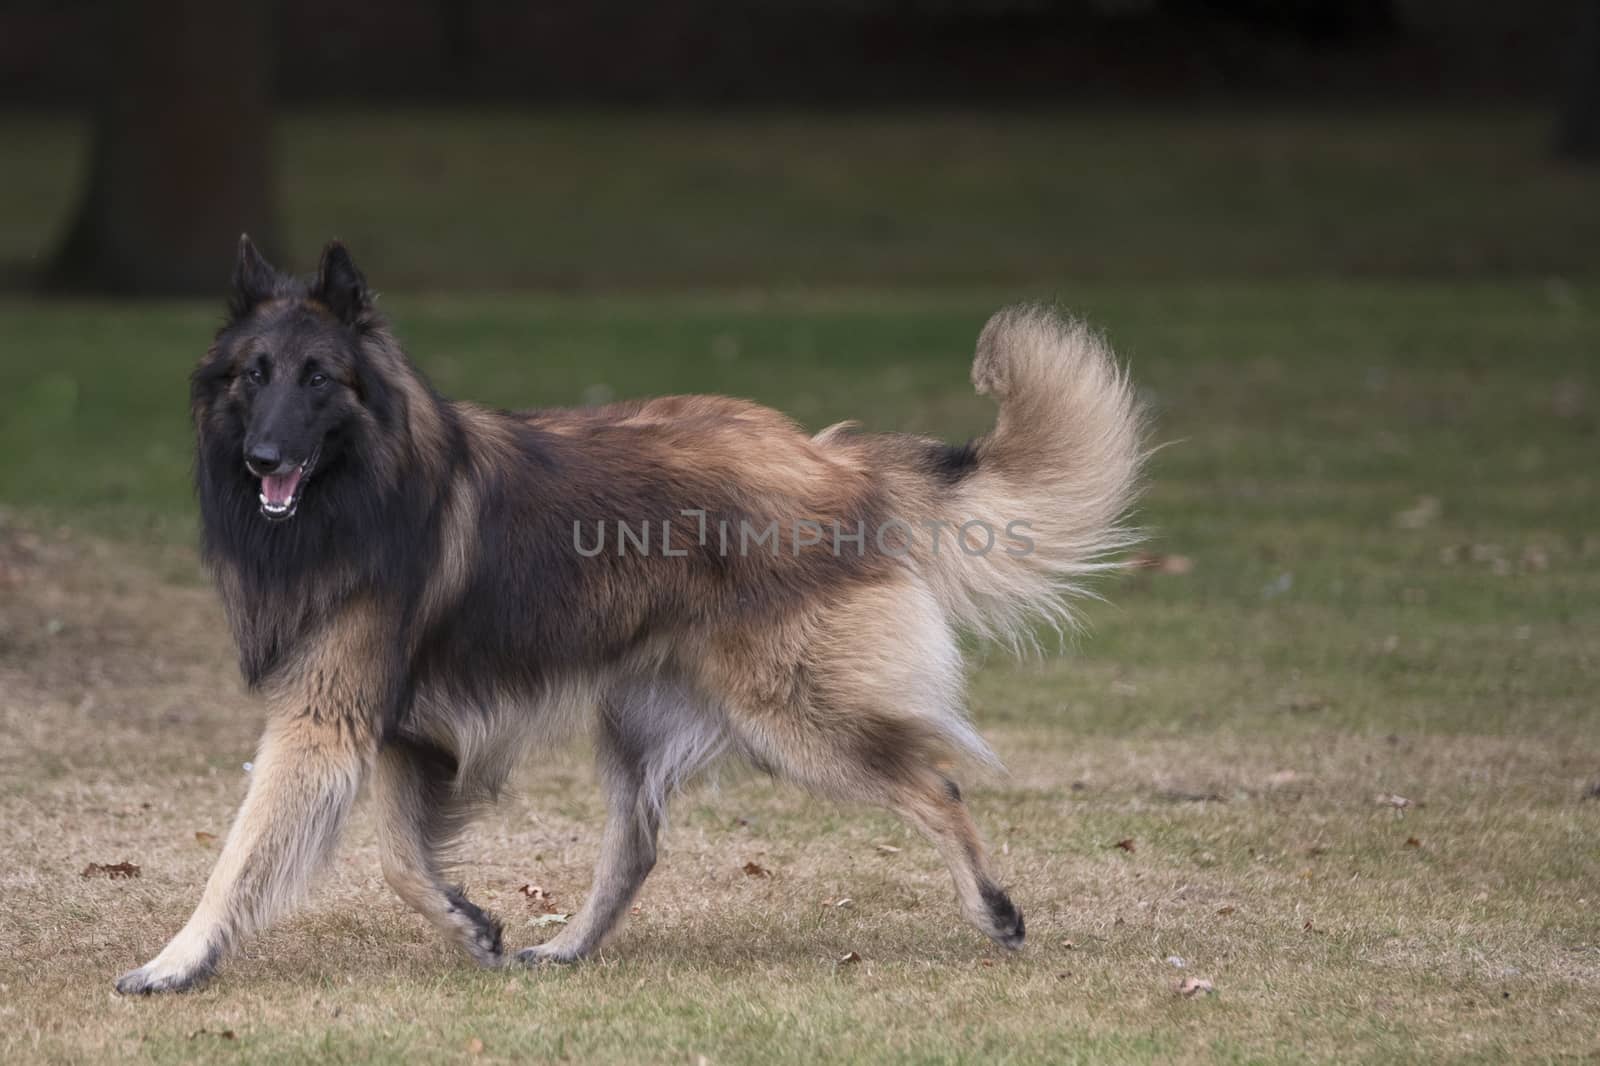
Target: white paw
158,976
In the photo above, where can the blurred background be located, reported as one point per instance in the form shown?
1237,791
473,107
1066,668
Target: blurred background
622,144
1349,250
805,201
1287,213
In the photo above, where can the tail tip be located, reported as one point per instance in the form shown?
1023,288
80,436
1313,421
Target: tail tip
1022,333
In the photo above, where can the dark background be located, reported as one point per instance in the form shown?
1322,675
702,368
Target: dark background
842,53
183,105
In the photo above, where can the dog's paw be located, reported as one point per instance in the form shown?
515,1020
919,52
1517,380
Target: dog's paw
1002,919
478,931
151,978
546,955
1011,935
486,951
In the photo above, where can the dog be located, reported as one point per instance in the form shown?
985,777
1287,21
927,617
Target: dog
420,588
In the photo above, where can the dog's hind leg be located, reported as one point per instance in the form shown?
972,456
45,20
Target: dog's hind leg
933,805
895,762
869,711
651,737
419,814
627,855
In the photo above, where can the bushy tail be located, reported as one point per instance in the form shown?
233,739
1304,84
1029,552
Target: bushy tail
1060,469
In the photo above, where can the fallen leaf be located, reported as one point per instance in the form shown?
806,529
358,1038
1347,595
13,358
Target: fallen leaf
842,901
635,909
755,869
1069,945
1388,799
1161,564
203,837
1194,986
539,898
1177,961
1225,911
1413,842
887,849
1315,850
1308,927
1126,844
475,1046
114,871
985,962
849,957
549,919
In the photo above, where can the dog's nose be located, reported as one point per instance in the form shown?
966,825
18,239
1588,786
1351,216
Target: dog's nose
263,458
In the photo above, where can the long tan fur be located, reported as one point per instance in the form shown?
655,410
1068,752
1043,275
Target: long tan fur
1063,456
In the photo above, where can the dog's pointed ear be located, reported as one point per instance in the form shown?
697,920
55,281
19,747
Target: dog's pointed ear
254,280
340,286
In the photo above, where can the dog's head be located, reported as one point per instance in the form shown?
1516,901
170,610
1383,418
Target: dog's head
284,389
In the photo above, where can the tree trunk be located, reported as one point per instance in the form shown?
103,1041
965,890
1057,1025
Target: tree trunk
1578,135
182,157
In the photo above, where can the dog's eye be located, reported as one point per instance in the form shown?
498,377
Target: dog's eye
255,376
316,381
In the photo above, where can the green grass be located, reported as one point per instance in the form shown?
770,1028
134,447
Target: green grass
1237,721
598,200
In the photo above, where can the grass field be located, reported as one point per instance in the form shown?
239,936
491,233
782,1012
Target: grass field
1339,638
602,200
1346,721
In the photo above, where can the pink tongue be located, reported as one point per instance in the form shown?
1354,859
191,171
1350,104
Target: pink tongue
279,489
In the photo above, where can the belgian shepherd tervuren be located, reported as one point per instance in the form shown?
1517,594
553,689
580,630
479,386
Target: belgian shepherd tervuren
419,586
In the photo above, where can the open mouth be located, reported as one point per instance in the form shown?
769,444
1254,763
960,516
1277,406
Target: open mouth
280,493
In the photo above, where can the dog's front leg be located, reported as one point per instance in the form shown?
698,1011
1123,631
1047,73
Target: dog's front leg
305,778
319,742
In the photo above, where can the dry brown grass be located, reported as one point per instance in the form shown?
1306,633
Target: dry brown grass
1332,926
